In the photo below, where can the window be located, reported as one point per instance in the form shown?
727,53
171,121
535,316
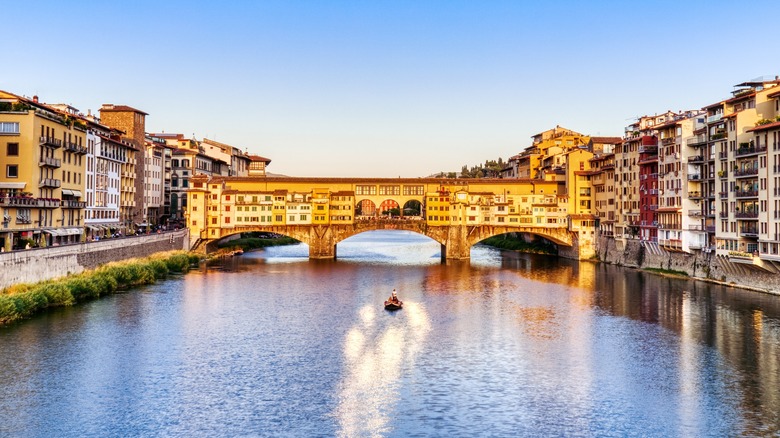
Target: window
12,150
9,128
12,171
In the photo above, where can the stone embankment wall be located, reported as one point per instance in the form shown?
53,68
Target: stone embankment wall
635,254
33,265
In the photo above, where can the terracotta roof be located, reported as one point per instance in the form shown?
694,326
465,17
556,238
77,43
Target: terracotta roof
773,95
259,158
607,140
110,107
765,127
741,96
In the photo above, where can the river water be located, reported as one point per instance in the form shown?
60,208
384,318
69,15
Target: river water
506,344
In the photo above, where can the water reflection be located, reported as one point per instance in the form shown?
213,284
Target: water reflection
376,351
506,344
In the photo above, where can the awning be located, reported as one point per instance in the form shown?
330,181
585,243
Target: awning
143,224
94,228
12,185
53,232
77,193
71,231
67,192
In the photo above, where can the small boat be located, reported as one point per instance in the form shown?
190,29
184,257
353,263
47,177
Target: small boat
394,305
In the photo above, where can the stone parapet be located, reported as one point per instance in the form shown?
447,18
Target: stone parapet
30,266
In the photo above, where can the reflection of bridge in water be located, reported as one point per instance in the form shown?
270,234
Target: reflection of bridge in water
321,212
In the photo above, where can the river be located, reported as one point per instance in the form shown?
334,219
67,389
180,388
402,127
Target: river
506,344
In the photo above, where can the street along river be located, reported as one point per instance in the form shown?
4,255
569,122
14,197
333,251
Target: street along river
506,344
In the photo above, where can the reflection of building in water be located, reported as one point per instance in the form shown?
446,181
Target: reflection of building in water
376,349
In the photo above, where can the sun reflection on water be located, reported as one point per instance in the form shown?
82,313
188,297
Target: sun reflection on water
376,350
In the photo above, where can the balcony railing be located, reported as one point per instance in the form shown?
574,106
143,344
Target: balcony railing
694,177
749,150
694,195
696,141
714,118
746,172
70,203
48,203
746,193
696,159
50,162
668,140
723,155
49,182
17,201
75,148
51,142
646,149
746,215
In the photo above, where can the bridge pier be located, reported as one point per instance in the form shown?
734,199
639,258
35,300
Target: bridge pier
322,243
457,246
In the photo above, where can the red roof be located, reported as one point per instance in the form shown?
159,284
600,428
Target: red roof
765,127
259,158
110,107
607,140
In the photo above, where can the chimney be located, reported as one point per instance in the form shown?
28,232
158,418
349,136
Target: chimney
35,98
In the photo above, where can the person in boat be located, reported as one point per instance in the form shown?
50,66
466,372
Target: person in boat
393,297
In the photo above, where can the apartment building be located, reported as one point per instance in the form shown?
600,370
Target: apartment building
603,182
132,123
43,181
746,184
680,178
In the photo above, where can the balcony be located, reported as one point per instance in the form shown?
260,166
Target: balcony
648,149
745,150
748,232
71,203
696,159
746,193
75,148
48,203
51,142
746,215
723,155
49,182
50,162
694,213
696,141
714,118
18,202
694,195
668,140
746,172
694,177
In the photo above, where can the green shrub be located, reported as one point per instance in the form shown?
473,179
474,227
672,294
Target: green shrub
22,300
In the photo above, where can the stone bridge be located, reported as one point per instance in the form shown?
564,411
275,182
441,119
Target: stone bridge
456,240
322,212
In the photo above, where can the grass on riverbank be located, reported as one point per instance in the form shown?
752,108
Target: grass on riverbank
506,241
667,271
249,243
24,300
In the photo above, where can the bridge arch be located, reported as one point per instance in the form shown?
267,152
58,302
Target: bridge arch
365,207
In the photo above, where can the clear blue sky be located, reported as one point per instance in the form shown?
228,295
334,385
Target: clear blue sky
385,88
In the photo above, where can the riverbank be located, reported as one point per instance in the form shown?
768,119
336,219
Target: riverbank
509,242
251,243
24,300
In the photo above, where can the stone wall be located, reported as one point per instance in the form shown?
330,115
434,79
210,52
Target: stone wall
33,265
703,266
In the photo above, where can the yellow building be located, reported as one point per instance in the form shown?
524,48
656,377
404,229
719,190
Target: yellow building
42,149
342,207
